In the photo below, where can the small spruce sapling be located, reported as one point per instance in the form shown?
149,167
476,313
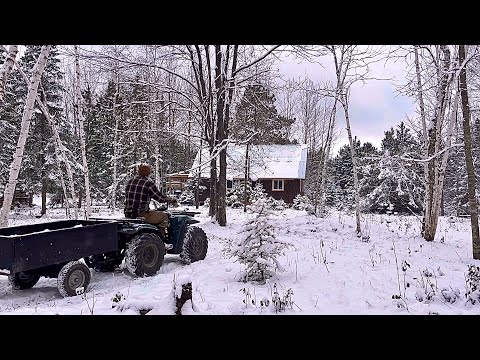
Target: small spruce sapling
259,248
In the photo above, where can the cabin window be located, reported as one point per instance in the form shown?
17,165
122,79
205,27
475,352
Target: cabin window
277,185
229,184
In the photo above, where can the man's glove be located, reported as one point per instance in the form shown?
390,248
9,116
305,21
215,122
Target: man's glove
172,200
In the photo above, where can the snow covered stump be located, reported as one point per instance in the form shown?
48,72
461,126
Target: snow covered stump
182,293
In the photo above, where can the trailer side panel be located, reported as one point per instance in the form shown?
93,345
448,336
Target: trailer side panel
57,246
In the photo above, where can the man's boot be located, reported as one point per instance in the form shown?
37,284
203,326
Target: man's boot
163,232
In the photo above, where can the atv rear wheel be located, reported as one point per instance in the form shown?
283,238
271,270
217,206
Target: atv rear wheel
195,245
144,254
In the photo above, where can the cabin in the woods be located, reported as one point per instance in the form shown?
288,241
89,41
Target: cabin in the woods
19,198
279,168
176,182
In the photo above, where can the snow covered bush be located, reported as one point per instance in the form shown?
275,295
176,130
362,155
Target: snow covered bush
274,204
473,284
300,202
259,248
206,203
187,197
258,192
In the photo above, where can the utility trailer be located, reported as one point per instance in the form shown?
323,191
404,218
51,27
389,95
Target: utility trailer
68,249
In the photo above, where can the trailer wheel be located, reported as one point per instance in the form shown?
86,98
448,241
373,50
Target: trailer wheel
23,280
73,275
195,245
144,254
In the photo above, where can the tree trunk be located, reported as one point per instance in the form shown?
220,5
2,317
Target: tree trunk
467,138
354,164
80,197
26,119
422,113
158,157
44,195
323,165
434,182
43,175
245,179
213,186
113,202
199,176
7,68
81,130
222,177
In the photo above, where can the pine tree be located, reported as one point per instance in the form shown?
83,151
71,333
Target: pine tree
259,249
99,129
258,192
393,184
256,112
342,192
236,195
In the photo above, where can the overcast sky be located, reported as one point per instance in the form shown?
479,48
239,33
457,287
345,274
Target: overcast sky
374,107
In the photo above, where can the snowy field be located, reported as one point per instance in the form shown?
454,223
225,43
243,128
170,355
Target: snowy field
328,270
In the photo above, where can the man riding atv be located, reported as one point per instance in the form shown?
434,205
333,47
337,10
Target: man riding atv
138,193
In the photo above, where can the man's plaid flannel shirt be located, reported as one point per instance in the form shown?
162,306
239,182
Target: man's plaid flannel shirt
138,192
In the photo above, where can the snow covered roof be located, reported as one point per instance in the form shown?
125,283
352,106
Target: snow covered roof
266,162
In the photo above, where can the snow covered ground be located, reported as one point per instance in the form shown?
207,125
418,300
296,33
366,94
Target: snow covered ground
327,271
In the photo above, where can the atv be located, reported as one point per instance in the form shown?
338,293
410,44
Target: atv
143,246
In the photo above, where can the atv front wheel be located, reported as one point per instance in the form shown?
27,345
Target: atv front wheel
195,245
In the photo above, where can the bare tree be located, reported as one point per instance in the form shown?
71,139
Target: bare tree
351,65
26,119
467,138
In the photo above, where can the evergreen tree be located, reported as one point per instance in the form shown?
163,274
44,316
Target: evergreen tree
395,185
455,191
259,249
100,128
341,194
256,113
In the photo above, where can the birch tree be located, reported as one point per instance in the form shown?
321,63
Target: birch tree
7,68
434,84
351,65
81,130
467,138
26,118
